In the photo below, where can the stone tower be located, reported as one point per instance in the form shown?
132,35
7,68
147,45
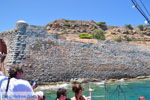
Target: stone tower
17,53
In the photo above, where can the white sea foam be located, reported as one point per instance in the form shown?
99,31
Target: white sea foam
99,83
54,87
121,80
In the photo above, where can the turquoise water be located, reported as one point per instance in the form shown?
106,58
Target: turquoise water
116,91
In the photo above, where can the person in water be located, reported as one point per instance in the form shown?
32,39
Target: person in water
61,94
77,89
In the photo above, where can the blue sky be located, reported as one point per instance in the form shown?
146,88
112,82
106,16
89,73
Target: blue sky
41,12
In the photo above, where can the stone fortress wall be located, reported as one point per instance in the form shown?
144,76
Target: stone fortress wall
48,59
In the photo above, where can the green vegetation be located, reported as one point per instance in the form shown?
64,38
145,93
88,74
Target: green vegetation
141,27
98,34
127,38
118,39
101,23
66,20
64,32
129,26
68,24
85,36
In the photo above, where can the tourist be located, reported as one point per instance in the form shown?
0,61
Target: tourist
77,89
40,94
3,52
61,94
14,87
2,78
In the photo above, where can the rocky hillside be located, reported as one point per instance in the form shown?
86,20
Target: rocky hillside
48,57
71,27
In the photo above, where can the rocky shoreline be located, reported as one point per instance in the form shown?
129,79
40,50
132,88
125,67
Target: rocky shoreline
53,86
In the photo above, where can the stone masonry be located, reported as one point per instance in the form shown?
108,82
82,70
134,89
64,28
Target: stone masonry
16,55
47,59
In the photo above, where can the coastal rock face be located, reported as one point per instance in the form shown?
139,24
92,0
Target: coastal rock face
49,59
65,60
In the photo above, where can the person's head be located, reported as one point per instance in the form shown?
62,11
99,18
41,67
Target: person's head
3,50
15,72
77,89
141,98
61,94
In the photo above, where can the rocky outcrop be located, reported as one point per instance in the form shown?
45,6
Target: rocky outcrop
71,26
53,61
48,59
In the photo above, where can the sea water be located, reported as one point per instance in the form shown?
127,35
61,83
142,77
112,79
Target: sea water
130,90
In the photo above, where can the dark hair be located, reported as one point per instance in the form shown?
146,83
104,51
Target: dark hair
60,92
76,89
3,50
13,71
